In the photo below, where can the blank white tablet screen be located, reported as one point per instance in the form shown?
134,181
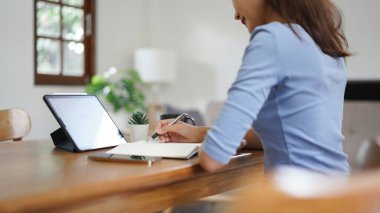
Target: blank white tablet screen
86,120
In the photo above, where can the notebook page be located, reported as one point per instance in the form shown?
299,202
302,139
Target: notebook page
165,150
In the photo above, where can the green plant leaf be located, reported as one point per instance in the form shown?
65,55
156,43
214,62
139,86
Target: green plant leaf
138,118
125,93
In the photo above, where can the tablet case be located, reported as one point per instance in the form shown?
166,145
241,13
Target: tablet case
63,141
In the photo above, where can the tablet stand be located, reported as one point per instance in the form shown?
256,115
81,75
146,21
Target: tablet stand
61,141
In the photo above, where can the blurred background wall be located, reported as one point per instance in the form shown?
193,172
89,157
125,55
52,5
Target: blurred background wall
208,41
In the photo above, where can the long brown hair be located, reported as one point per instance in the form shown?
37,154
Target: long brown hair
320,18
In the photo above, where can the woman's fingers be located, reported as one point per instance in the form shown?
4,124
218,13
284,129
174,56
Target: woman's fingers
162,123
170,137
179,132
164,138
176,128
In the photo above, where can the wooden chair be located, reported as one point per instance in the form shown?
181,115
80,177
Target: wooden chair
361,119
368,155
303,191
14,124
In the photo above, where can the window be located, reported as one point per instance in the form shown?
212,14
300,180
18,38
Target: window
64,41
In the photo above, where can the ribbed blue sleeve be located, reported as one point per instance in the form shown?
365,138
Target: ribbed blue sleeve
257,75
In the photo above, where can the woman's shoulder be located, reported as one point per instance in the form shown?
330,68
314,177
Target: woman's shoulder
267,38
285,37
278,31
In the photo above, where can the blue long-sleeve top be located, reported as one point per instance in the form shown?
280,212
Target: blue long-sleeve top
292,95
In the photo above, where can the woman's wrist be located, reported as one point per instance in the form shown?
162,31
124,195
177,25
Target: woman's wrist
201,133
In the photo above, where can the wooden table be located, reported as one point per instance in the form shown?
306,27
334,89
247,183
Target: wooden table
35,176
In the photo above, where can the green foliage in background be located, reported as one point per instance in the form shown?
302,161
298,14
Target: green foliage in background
123,93
138,118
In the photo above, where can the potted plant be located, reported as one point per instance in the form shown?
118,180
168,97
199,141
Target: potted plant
123,91
139,126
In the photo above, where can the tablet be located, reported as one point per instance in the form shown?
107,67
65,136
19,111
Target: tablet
84,121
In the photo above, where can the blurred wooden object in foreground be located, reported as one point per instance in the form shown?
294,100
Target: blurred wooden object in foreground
295,190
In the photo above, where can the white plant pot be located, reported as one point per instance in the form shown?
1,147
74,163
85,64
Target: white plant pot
139,132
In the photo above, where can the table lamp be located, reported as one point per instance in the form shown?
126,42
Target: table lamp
156,68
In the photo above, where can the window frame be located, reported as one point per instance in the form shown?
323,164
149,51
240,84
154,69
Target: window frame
88,42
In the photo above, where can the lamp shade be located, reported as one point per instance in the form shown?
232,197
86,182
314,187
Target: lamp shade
156,66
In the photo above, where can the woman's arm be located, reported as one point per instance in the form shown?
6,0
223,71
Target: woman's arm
209,164
187,133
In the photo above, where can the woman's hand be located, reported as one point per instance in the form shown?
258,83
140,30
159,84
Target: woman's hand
180,132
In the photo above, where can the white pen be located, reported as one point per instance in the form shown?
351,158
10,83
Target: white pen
171,123
241,155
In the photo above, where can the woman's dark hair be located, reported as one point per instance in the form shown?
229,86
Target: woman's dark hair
320,18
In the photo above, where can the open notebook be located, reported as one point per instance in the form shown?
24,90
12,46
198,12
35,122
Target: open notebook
165,150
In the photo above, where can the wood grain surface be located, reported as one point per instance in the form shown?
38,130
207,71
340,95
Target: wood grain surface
35,176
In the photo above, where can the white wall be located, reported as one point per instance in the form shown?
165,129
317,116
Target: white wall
16,67
362,26
209,42
203,33
120,29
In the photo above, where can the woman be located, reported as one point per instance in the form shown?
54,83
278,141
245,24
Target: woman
289,89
